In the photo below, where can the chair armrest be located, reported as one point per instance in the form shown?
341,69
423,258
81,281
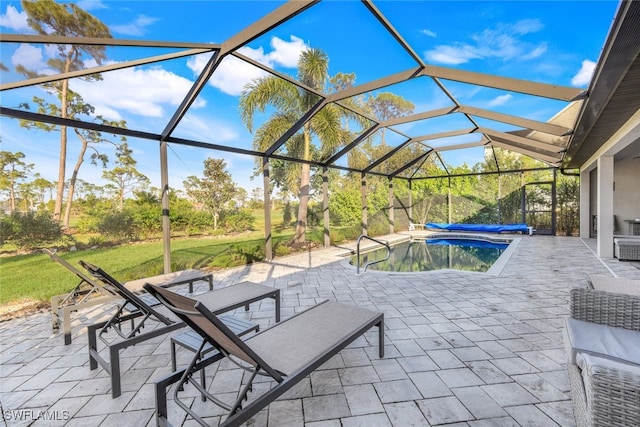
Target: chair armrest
606,308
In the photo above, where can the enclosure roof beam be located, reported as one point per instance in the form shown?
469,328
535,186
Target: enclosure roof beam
505,83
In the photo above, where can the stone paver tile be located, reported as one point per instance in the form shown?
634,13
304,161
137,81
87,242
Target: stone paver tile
530,416
362,399
518,344
10,383
509,394
103,404
429,384
50,394
86,421
325,382
444,410
90,387
131,418
559,379
360,375
143,399
469,354
334,363
478,402
435,343
478,335
514,366
389,369
328,423
372,420
286,413
541,389
405,414
133,379
561,412
417,364
540,361
397,391
400,334
495,422
445,359
495,349
298,391
320,408
456,339
353,357
460,377
408,348
16,399
489,373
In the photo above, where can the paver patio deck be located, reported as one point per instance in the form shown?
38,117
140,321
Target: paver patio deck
462,349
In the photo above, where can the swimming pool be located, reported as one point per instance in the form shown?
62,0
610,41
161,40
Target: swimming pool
467,254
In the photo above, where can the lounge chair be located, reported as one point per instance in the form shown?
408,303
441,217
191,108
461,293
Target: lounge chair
88,292
144,311
285,352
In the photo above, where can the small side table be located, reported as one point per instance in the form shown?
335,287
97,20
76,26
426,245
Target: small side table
634,226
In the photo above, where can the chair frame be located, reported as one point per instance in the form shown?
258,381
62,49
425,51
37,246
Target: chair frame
238,414
86,293
141,310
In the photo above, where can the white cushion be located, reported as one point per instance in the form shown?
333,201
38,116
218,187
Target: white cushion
587,362
618,344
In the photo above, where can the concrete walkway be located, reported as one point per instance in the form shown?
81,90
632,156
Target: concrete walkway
462,349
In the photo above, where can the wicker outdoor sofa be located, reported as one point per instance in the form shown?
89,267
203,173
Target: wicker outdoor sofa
602,337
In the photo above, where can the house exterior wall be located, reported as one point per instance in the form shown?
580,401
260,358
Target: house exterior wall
626,197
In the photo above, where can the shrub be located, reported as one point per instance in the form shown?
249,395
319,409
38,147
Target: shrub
29,229
118,225
239,221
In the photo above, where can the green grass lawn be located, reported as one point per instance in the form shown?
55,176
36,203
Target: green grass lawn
37,277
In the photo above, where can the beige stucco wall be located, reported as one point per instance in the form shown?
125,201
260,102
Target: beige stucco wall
626,198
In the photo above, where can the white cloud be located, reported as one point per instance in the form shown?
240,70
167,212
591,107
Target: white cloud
583,78
233,74
29,56
14,20
135,28
453,55
286,53
145,92
428,33
500,100
91,4
502,42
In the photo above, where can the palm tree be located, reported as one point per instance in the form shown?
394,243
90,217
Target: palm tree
290,103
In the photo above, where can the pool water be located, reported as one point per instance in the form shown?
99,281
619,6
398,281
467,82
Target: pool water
436,254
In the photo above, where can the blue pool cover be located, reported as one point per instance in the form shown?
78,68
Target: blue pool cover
486,228
468,243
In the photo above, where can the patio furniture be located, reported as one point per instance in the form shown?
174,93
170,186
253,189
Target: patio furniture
602,338
621,285
627,249
145,311
88,292
286,352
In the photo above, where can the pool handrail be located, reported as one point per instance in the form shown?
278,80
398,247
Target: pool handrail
385,244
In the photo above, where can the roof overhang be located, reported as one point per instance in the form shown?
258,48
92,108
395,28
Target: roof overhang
614,93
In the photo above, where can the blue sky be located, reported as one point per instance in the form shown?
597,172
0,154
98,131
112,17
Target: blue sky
556,42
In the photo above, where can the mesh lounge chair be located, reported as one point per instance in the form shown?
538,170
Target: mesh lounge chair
89,292
86,293
144,311
286,352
